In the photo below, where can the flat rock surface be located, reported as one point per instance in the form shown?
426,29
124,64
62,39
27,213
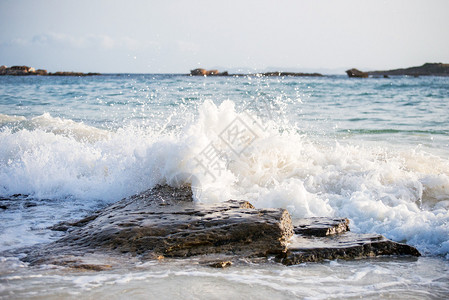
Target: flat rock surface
342,246
165,223
320,226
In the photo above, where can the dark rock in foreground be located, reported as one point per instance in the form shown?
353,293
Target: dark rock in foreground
320,226
344,246
165,222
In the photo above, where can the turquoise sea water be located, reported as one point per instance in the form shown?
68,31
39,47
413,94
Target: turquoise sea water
374,150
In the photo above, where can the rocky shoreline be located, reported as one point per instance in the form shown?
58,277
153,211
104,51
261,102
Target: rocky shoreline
27,71
427,69
204,72
165,223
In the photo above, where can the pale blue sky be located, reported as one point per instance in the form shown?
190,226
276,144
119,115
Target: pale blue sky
175,36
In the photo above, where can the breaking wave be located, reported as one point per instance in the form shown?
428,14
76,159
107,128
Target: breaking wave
223,153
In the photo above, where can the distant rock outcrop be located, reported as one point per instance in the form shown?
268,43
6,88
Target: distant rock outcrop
427,69
72,74
204,72
356,73
25,71
17,70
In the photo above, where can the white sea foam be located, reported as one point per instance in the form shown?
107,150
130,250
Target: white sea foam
426,277
58,126
403,194
9,119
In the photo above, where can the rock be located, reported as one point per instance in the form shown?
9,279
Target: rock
67,74
19,196
41,72
70,225
80,264
18,70
29,204
165,221
343,246
212,72
198,72
427,69
221,264
203,72
25,70
320,226
356,73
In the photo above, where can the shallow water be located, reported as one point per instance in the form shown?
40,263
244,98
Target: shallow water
380,278
375,151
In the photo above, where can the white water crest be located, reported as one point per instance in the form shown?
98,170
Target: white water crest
399,192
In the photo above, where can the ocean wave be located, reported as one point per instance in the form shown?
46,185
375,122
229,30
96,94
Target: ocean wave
49,124
403,194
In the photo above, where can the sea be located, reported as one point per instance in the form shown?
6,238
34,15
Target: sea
373,150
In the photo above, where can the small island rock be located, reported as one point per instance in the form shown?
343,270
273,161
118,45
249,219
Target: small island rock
204,72
356,73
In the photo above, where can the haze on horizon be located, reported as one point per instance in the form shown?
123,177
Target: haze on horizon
139,36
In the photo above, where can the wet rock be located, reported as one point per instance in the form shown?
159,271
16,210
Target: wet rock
343,246
19,196
80,264
356,73
165,221
221,264
70,225
29,204
14,201
319,226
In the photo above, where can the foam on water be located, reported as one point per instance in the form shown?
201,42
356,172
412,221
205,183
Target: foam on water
369,279
401,193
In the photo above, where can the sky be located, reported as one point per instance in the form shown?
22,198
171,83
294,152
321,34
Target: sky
145,36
